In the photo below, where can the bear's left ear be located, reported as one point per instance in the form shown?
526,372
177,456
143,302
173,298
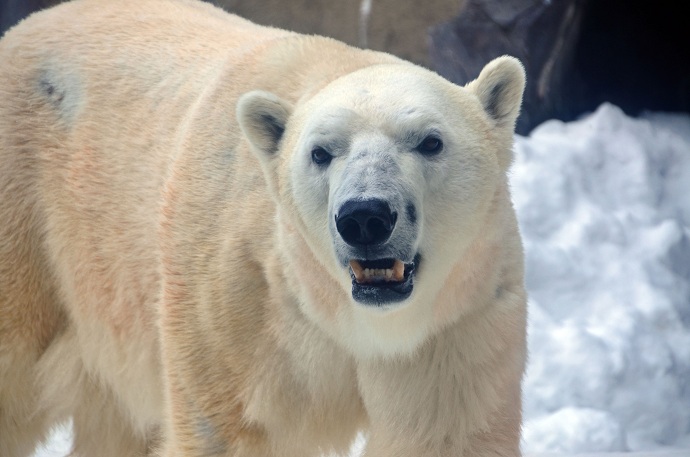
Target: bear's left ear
262,117
499,88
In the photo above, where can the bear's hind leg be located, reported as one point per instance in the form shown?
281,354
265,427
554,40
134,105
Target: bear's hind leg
30,317
22,424
101,427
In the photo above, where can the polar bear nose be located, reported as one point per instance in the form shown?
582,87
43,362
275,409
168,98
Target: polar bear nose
365,222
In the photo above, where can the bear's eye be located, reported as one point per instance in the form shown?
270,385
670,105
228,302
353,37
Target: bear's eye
320,156
430,145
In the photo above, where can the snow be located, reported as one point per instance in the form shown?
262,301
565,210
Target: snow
604,210
59,443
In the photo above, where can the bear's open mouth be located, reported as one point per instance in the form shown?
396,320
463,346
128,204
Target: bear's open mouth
382,281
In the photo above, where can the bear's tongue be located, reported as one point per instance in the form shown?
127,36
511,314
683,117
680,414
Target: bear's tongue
387,270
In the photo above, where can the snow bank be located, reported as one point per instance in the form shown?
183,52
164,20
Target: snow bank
604,210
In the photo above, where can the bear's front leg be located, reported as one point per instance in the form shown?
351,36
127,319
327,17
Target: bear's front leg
198,427
454,397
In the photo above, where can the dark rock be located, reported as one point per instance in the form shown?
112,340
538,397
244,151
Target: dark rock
540,34
577,53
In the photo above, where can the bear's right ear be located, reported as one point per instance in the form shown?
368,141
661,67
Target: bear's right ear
262,117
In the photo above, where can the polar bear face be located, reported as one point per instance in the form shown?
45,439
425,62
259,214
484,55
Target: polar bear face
390,170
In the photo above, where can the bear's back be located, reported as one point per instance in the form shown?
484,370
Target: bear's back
95,98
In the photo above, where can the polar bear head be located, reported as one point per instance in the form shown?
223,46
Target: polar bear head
388,172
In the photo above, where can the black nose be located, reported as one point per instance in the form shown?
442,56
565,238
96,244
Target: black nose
365,222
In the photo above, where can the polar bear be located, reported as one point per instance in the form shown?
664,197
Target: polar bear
222,239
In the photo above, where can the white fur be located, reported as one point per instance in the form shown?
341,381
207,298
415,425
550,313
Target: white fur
171,276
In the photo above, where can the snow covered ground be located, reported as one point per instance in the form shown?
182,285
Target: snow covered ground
604,209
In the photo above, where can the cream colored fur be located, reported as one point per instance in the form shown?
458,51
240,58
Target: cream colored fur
167,274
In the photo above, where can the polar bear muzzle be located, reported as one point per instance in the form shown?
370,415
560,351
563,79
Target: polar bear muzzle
363,224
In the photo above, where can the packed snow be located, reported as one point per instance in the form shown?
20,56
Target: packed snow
604,210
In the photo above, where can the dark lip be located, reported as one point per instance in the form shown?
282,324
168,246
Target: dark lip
385,293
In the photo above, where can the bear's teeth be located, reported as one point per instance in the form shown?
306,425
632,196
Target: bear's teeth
398,270
357,270
366,275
